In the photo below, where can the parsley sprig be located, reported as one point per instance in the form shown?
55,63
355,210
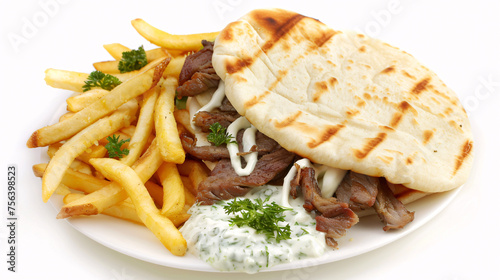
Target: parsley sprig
99,79
219,135
132,60
114,146
261,216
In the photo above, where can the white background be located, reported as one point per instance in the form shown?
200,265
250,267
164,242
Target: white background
458,40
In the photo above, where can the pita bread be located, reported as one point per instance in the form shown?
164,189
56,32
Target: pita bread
345,100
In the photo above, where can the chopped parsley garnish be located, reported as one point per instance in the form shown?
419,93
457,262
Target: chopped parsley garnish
133,60
219,135
262,217
114,147
99,79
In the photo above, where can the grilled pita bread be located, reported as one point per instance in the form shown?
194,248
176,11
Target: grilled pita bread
345,100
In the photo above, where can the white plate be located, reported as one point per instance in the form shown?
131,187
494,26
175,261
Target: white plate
138,242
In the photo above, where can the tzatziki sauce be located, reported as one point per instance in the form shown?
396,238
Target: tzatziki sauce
210,236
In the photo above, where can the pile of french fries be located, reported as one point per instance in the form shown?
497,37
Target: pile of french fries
154,184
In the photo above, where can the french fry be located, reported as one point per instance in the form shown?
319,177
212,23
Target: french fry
173,189
63,79
116,50
108,103
161,226
75,180
156,193
176,53
197,174
79,102
94,151
190,199
191,42
174,67
82,141
77,164
129,130
104,141
182,117
166,127
186,166
65,116
144,128
113,193
111,67
122,210
62,190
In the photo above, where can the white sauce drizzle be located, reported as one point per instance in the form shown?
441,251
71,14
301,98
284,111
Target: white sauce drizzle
331,181
248,142
328,178
288,179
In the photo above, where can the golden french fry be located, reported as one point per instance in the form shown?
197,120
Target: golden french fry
180,218
177,53
156,193
122,210
74,179
186,166
173,189
62,190
129,130
79,102
161,226
197,174
108,103
65,116
191,42
94,151
116,50
144,128
108,67
182,117
111,67
113,193
165,125
154,54
174,67
81,166
190,198
82,141
104,141
65,79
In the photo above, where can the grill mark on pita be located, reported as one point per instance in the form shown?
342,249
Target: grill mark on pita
278,27
322,87
326,135
239,64
466,149
398,116
281,75
386,159
388,70
371,144
409,161
420,86
323,38
396,119
409,75
288,121
256,99
362,49
428,135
